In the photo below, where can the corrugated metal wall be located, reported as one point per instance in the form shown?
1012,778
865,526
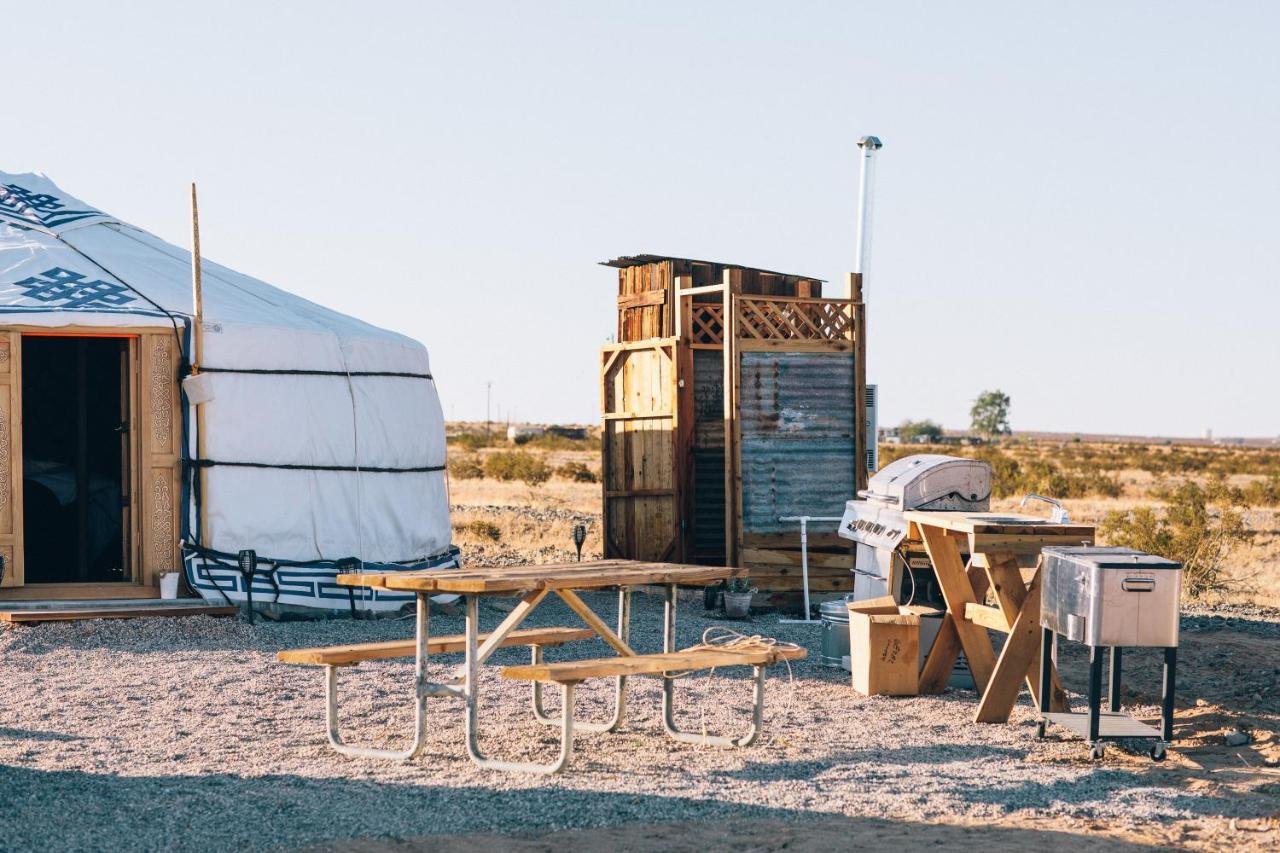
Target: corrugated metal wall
796,415
708,456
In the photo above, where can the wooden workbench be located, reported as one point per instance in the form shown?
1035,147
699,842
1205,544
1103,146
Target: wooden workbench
997,544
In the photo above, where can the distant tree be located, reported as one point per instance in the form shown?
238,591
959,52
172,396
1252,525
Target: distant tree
990,414
909,431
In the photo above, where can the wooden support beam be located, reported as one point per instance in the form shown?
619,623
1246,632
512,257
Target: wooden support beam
988,617
1011,592
528,602
958,591
1021,650
594,622
642,300
700,291
732,284
854,292
946,648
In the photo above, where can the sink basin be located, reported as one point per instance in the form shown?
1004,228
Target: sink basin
1007,519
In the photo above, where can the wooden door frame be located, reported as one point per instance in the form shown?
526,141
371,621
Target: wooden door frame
155,437
610,355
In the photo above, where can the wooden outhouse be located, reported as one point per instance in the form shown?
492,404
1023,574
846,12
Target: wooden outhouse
733,398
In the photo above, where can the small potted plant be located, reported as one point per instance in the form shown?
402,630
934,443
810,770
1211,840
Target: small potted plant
168,584
737,598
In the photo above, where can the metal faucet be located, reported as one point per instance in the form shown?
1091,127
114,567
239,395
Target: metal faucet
1058,516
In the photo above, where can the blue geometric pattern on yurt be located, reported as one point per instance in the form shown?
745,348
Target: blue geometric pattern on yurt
75,290
309,586
38,208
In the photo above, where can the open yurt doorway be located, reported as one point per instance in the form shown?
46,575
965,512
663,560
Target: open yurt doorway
75,458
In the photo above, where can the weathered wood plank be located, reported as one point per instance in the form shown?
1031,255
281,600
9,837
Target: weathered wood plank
353,654
656,664
958,592
585,575
31,617
1019,652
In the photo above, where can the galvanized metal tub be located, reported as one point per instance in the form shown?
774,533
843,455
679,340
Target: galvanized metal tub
835,633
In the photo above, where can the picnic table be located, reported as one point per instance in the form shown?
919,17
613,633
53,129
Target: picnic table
999,544
533,585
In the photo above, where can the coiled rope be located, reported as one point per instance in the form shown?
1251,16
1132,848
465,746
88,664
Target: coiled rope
720,638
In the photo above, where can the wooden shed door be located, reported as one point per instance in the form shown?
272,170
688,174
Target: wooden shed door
640,469
157,503
11,458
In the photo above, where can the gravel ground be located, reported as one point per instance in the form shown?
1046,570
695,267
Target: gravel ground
187,734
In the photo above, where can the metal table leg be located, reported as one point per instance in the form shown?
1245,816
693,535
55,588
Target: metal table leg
620,685
1095,700
1166,693
471,691
669,690
1113,680
422,689
1046,679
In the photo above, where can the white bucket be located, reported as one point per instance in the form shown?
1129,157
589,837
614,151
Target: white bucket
169,585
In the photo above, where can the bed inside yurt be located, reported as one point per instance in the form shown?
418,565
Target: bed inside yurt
310,439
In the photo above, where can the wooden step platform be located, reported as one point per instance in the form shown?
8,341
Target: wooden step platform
32,612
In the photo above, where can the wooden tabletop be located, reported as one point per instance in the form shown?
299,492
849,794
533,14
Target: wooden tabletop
1010,523
587,575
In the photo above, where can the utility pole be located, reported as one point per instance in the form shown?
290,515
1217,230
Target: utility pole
488,400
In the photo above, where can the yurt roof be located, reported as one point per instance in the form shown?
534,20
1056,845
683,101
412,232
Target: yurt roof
64,261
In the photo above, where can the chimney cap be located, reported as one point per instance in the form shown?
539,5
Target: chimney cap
872,142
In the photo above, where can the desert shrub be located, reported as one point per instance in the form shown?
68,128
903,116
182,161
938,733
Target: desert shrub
480,528
576,472
1199,528
466,468
517,465
470,440
552,441
1262,492
1006,473
911,430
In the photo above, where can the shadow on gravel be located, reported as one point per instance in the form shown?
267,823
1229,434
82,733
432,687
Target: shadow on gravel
35,734
72,810
942,753
803,833
1122,784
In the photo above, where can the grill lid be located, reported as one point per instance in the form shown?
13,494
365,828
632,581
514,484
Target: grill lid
932,481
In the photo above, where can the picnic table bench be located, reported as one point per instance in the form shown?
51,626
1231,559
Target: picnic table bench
534,584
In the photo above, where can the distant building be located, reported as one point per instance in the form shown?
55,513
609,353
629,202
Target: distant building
575,433
521,434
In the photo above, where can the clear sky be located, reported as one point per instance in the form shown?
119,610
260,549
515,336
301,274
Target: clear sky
1076,202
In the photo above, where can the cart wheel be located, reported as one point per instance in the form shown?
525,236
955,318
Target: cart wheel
1041,727
1096,751
1158,751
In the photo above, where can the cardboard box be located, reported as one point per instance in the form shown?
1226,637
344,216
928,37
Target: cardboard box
884,653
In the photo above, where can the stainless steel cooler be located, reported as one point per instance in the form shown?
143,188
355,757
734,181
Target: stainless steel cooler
1110,598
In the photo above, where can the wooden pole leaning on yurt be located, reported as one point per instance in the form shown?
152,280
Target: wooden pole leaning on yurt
197,358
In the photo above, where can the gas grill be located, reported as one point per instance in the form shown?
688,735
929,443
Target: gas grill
926,481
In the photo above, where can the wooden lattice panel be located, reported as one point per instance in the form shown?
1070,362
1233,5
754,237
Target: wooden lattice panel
794,319
707,324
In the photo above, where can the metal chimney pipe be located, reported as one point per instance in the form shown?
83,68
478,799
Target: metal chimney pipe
861,260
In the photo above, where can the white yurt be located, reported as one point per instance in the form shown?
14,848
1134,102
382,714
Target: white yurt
309,438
